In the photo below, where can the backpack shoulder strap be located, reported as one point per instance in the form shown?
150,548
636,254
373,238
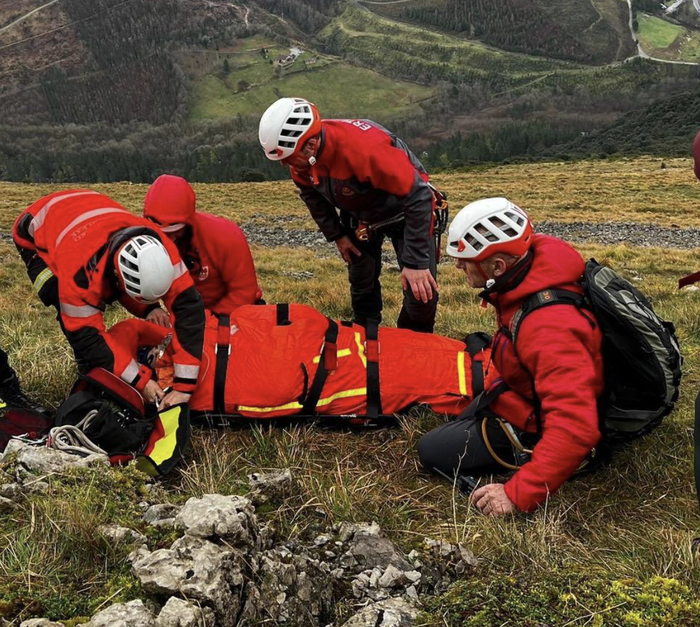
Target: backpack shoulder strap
545,298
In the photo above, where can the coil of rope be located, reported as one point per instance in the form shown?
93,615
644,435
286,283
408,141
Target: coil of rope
72,439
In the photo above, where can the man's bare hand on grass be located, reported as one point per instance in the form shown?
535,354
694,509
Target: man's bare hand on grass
492,500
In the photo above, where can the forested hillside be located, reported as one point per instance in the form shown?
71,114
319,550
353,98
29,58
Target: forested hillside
591,31
101,90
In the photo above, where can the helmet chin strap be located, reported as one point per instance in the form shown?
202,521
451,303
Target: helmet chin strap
483,274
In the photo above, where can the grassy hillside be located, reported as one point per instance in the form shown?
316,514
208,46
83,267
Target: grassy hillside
665,40
591,31
618,542
246,80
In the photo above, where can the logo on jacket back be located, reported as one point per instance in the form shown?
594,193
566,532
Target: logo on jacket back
346,191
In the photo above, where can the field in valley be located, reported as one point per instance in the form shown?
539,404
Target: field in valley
613,548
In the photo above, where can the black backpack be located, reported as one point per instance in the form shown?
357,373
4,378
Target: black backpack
641,356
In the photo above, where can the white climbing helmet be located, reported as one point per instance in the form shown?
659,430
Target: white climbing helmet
286,125
144,268
489,226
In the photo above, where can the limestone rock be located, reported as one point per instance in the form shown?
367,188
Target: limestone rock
179,613
40,622
120,535
196,569
214,515
371,548
395,578
270,486
389,613
161,515
42,460
131,614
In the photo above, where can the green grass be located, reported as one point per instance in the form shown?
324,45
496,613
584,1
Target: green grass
603,540
657,33
339,88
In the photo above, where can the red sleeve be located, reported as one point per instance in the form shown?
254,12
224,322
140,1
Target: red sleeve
557,346
187,318
696,155
237,269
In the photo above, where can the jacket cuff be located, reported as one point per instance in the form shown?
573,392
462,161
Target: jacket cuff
142,378
416,266
335,237
185,388
516,497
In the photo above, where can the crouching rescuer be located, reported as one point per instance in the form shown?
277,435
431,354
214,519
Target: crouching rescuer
83,251
557,366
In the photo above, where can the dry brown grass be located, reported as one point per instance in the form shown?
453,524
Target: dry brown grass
636,518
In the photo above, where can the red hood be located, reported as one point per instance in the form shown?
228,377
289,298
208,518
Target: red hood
696,155
555,264
170,200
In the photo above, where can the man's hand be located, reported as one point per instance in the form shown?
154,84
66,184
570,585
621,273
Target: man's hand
174,398
159,317
152,392
346,247
422,283
491,500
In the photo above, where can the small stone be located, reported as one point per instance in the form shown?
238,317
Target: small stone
270,486
393,578
388,613
131,614
218,516
12,491
322,540
371,548
179,613
40,622
374,578
120,535
43,460
157,515
412,593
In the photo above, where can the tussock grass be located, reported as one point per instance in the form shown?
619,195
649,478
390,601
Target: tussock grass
634,520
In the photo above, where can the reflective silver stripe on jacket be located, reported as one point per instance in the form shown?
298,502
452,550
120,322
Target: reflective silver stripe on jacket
38,219
82,311
185,372
87,216
180,269
130,372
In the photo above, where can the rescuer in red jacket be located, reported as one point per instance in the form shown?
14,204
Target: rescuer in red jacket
381,190
696,155
558,366
83,251
214,249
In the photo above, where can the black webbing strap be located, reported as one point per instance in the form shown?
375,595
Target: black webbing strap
223,350
697,446
374,400
476,343
483,400
327,362
283,315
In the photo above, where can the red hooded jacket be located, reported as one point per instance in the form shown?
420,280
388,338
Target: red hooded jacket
69,234
216,253
696,155
559,350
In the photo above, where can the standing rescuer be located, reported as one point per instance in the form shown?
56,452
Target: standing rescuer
557,368
214,249
381,190
82,251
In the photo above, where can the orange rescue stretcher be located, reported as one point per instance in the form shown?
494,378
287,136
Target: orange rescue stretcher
272,361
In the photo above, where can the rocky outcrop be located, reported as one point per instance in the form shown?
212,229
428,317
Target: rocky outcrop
43,461
228,570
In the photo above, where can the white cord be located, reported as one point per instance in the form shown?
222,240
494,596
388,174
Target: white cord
72,439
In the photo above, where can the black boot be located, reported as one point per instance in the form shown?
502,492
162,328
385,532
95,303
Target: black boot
12,395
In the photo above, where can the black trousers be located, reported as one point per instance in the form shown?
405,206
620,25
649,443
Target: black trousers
458,448
6,371
366,290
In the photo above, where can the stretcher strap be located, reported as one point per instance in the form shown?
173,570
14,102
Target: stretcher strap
327,363
223,350
374,401
483,400
283,315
